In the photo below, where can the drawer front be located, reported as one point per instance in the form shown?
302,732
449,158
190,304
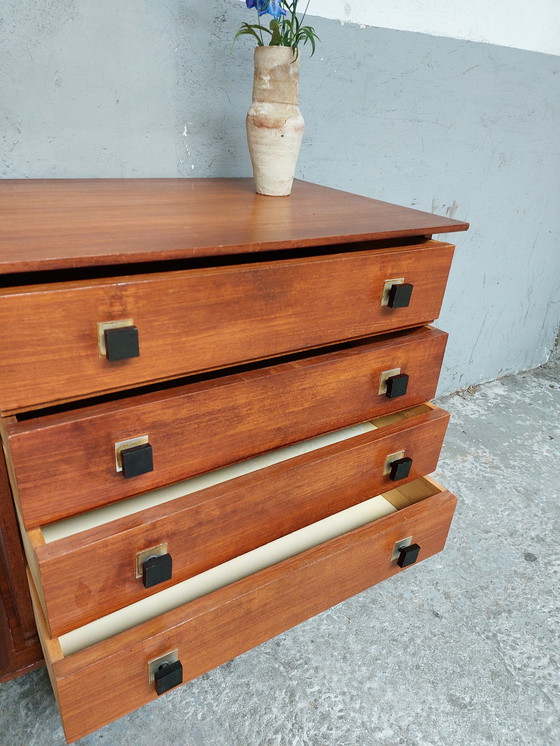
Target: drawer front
200,319
108,679
78,574
200,427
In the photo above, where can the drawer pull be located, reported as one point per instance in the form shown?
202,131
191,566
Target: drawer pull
157,570
137,460
168,676
121,343
408,555
400,468
399,296
397,386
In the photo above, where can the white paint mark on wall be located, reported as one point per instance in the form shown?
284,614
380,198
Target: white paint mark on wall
186,136
525,24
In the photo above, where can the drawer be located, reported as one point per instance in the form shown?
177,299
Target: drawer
199,427
177,323
100,672
77,564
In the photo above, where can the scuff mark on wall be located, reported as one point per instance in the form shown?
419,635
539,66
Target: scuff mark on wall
451,210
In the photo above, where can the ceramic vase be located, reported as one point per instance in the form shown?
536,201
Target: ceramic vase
274,122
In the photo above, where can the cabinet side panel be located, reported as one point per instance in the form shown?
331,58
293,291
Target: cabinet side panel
19,645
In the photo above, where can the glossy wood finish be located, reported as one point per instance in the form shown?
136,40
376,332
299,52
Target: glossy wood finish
107,680
53,224
19,645
78,574
199,427
212,276
201,319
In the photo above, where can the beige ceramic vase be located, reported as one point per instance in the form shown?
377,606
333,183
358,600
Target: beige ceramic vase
274,122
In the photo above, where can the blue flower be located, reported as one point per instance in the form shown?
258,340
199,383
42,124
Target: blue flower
273,7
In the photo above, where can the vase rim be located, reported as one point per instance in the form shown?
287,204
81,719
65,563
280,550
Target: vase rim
276,48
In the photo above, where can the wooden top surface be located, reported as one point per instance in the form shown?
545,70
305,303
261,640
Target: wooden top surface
67,223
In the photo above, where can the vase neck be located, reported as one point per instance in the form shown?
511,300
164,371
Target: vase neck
276,77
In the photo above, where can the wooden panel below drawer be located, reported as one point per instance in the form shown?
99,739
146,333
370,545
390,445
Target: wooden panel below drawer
19,645
199,427
110,678
78,574
201,319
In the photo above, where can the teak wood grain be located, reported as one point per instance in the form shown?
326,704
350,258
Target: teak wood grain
79,573
53,224
106,680
202,426
202,319
19,645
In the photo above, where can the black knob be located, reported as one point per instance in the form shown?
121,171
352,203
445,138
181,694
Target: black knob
397,386
400,469
157,570
137,460
399,296
121,343
168,676
408,555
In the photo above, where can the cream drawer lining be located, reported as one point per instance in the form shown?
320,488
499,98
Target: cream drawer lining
225,574
75,524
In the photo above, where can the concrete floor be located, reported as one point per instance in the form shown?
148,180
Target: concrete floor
462,649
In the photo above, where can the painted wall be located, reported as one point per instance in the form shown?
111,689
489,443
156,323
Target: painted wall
525,24
91,88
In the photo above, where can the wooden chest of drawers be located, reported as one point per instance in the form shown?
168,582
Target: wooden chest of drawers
215,422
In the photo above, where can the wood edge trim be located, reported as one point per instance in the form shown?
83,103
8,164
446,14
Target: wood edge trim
36,538
422,244
435,484
51,646
8,268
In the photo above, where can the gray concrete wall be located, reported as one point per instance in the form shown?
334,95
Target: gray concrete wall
92,88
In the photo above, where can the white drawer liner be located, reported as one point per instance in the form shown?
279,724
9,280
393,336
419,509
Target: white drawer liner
61,529
225,574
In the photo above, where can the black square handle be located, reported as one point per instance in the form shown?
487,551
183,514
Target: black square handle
168,676
399,296
156,570
397,386
400,469
137,460
121,343
408,555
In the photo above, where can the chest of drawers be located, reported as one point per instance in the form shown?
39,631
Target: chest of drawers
215,421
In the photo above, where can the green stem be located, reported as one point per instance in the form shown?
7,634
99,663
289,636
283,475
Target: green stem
260,32
305,11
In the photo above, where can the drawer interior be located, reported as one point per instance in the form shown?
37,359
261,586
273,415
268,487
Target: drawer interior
250,563
85,521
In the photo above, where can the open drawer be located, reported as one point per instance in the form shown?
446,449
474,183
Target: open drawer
139,546
172,434
63,341
118,663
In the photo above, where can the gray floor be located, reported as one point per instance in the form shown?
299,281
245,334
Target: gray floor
462,649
